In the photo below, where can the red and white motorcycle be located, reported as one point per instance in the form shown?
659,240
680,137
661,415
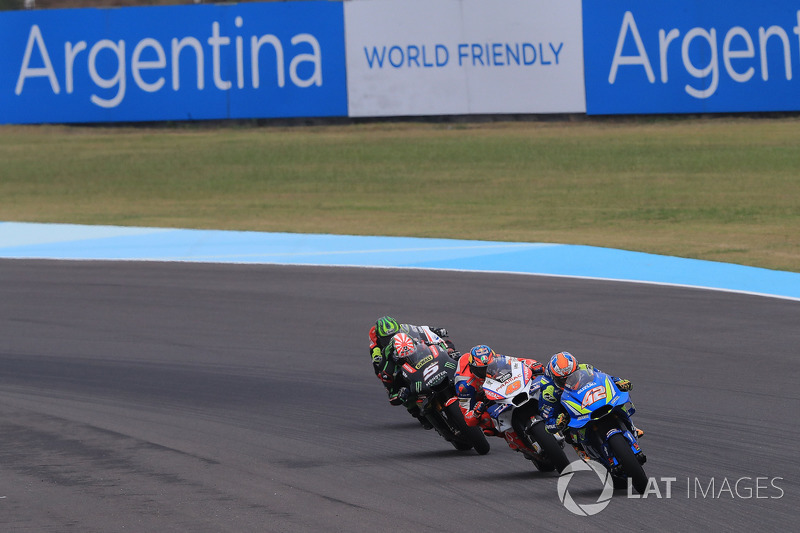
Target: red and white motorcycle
513,393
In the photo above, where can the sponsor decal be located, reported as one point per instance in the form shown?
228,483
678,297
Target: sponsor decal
424,361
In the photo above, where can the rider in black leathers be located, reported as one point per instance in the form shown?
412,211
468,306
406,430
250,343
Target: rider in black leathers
386,363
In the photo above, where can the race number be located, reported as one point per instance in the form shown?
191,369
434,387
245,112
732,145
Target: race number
596,394
431,370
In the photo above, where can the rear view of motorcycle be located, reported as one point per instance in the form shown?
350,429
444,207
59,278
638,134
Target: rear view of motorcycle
429,372
513,393
600,422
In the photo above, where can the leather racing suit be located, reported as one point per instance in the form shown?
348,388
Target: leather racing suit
469,388
550,404
385,363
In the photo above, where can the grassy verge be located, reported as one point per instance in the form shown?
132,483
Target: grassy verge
721,189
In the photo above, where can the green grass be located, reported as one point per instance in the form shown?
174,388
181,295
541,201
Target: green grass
720,189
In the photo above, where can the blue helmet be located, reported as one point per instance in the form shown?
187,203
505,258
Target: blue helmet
479,358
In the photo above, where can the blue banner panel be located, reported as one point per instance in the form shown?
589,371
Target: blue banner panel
191,62
690,56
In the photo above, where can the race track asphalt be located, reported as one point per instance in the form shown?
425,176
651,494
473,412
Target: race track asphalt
195,397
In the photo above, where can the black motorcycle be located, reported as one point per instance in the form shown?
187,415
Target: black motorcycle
429,373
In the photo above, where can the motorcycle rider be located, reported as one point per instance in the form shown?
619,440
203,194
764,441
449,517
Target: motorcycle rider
558,369
469,380
386,363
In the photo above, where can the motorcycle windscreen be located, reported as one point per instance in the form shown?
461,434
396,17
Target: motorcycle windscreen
579,378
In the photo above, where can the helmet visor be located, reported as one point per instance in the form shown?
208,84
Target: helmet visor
479,371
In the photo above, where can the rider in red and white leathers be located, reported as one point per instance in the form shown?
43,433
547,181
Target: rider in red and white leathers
469,381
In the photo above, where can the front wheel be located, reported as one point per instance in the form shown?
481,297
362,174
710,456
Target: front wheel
553,451
621,449
473,435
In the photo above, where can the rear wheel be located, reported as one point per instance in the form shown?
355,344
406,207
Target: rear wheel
621,449
473,435
552,450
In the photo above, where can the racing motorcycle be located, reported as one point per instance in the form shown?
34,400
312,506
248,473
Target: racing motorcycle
429,373
513,394
600,423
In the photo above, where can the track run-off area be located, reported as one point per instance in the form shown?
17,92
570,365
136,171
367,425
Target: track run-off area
153,379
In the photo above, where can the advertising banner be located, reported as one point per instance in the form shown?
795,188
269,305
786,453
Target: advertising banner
685,56
249,60
443,57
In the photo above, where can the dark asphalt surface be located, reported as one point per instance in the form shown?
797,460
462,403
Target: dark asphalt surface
188,397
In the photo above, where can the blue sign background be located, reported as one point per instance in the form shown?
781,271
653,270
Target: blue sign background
632,92
27,92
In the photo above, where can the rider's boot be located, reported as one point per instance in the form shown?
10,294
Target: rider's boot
581,453
490,432
570,438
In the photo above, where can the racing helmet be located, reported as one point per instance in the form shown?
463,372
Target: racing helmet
403,345
385,328
479,358
559,368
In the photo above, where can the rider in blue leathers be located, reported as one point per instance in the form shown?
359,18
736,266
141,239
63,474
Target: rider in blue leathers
556,372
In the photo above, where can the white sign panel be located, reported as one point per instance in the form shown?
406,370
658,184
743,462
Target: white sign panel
450,57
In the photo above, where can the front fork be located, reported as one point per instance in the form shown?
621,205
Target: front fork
594,440
602,430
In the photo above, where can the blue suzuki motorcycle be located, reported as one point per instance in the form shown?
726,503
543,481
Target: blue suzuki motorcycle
600,423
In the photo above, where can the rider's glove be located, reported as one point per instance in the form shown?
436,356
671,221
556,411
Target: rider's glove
480,408
403,394
376,355
561,421
399,397
537,369
451,349
442,332
624,385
